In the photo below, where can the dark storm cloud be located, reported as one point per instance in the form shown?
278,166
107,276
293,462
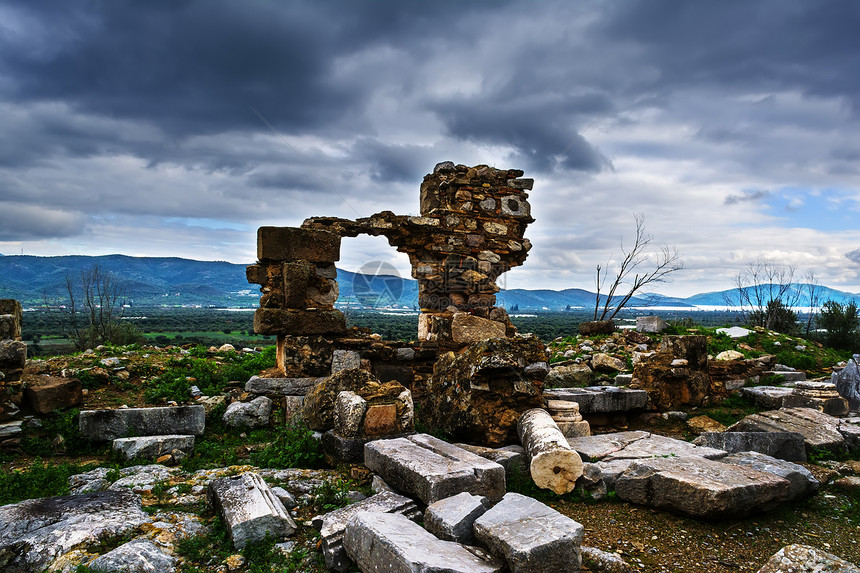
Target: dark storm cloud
853,256
770,44
22,222
747,196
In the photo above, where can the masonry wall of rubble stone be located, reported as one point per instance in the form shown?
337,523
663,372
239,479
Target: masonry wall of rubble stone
13,356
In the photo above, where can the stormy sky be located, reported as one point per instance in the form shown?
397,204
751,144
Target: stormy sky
176,128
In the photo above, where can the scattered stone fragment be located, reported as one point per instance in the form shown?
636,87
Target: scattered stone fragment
249,508
136,555
700,488
452,518
591,481
552,463
735,332
430,469
390,542
653,324
598,561
849,483
671,384
513,458
532,537
253,414
802,481
152,446
821,396
782,445
332,525
112,424
729,355
806,559
35,532
568,375
702,424
638,444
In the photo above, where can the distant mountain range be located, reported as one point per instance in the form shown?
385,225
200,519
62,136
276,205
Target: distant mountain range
167,281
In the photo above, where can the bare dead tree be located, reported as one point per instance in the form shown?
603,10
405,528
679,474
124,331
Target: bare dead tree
93,309
764,282
665,262
813,290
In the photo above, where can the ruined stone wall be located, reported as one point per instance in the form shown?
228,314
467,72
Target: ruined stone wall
13,356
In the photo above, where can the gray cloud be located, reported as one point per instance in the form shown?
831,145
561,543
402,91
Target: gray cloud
746,196
29,222
853,256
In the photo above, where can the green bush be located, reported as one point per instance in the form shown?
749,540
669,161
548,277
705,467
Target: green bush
776,316
293,447
842,325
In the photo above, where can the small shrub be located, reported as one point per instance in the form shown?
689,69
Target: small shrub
332,494
842,324
40,480
293,447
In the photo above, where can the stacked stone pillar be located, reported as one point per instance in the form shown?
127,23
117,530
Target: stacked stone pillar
13,356
295,268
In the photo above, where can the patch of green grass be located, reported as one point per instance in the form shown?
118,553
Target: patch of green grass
733,409
40,441
40,480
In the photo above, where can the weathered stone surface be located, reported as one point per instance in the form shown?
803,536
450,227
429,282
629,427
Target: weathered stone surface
249,508
596,327
782,445
806,559
9,307
821,396
294,244
478,395
513,458
452,518
669,385
344,360
253,414
801,479
767,396
152,446
305,322
333,525
732,374
112,424
700,488
138,555
703,424
735,332
847,382
598,561
466,328
819,430
653,324
601,399
606,363
569,375
281,386
532,537
729,355
45,394
430,469
319,404
349,409
553,464
635,445
13,357
35,532
390,542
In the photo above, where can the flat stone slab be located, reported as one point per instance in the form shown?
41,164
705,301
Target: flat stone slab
782,445
803,483
119,423
333,525
735,332
452,518
250,509
281,386
532,537
390,542
430,469
819,430
136,555
767,396
512,458
787,375
35,532
806,559
601,399
152,446
700,488
635,445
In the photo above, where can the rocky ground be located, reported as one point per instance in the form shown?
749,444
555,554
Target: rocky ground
178,517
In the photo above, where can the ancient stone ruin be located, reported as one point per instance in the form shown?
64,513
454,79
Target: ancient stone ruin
13,356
